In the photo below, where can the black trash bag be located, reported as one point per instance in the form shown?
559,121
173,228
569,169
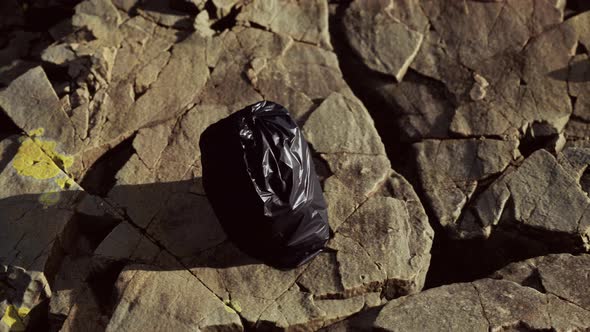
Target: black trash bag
259,176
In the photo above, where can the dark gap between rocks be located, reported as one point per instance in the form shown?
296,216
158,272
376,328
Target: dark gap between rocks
7,126
101,281
533,280
166,7
467,260
529,144
184,6
211,9
140,94
56,73
100,177
248,327
41,18
38,317
575,7
576,118
581,49
224,23
573,100
585,181
93,229
257,26
384,117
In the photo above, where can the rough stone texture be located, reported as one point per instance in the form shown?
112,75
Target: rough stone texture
35,211
100,17
490,80
167,155
503,52
562,275
450,171
531,296
142,88
31,103
382,42
458,307
329,127
101,115
578,78
303,21
543,194
141,292
74,303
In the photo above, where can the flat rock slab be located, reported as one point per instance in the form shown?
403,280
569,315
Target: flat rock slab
383,43
142,292
307,23
491,304
450,171
544,195
562,275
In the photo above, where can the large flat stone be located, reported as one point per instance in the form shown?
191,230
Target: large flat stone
152,300
482,305
543,196
382,42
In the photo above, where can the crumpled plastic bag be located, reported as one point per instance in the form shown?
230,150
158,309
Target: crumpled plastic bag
271,204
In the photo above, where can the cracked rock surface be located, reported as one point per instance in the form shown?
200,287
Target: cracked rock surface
500,71
481,112
105,216
481,107
528,295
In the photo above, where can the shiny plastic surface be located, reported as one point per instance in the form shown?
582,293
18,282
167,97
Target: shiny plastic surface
280,166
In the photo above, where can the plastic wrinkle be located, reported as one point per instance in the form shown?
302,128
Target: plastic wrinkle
282,172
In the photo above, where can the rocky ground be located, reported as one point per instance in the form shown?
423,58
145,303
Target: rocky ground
451,138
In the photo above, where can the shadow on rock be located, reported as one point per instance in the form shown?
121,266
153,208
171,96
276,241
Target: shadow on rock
180,222
80,242
578,72
234,199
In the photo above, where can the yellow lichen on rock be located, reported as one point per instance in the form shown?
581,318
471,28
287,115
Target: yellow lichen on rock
49,198
31,161
65,182
37,158
15,318
60,159
236,306
37,132
232,306
228,309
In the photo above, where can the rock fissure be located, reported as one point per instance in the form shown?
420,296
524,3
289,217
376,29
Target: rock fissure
483,309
